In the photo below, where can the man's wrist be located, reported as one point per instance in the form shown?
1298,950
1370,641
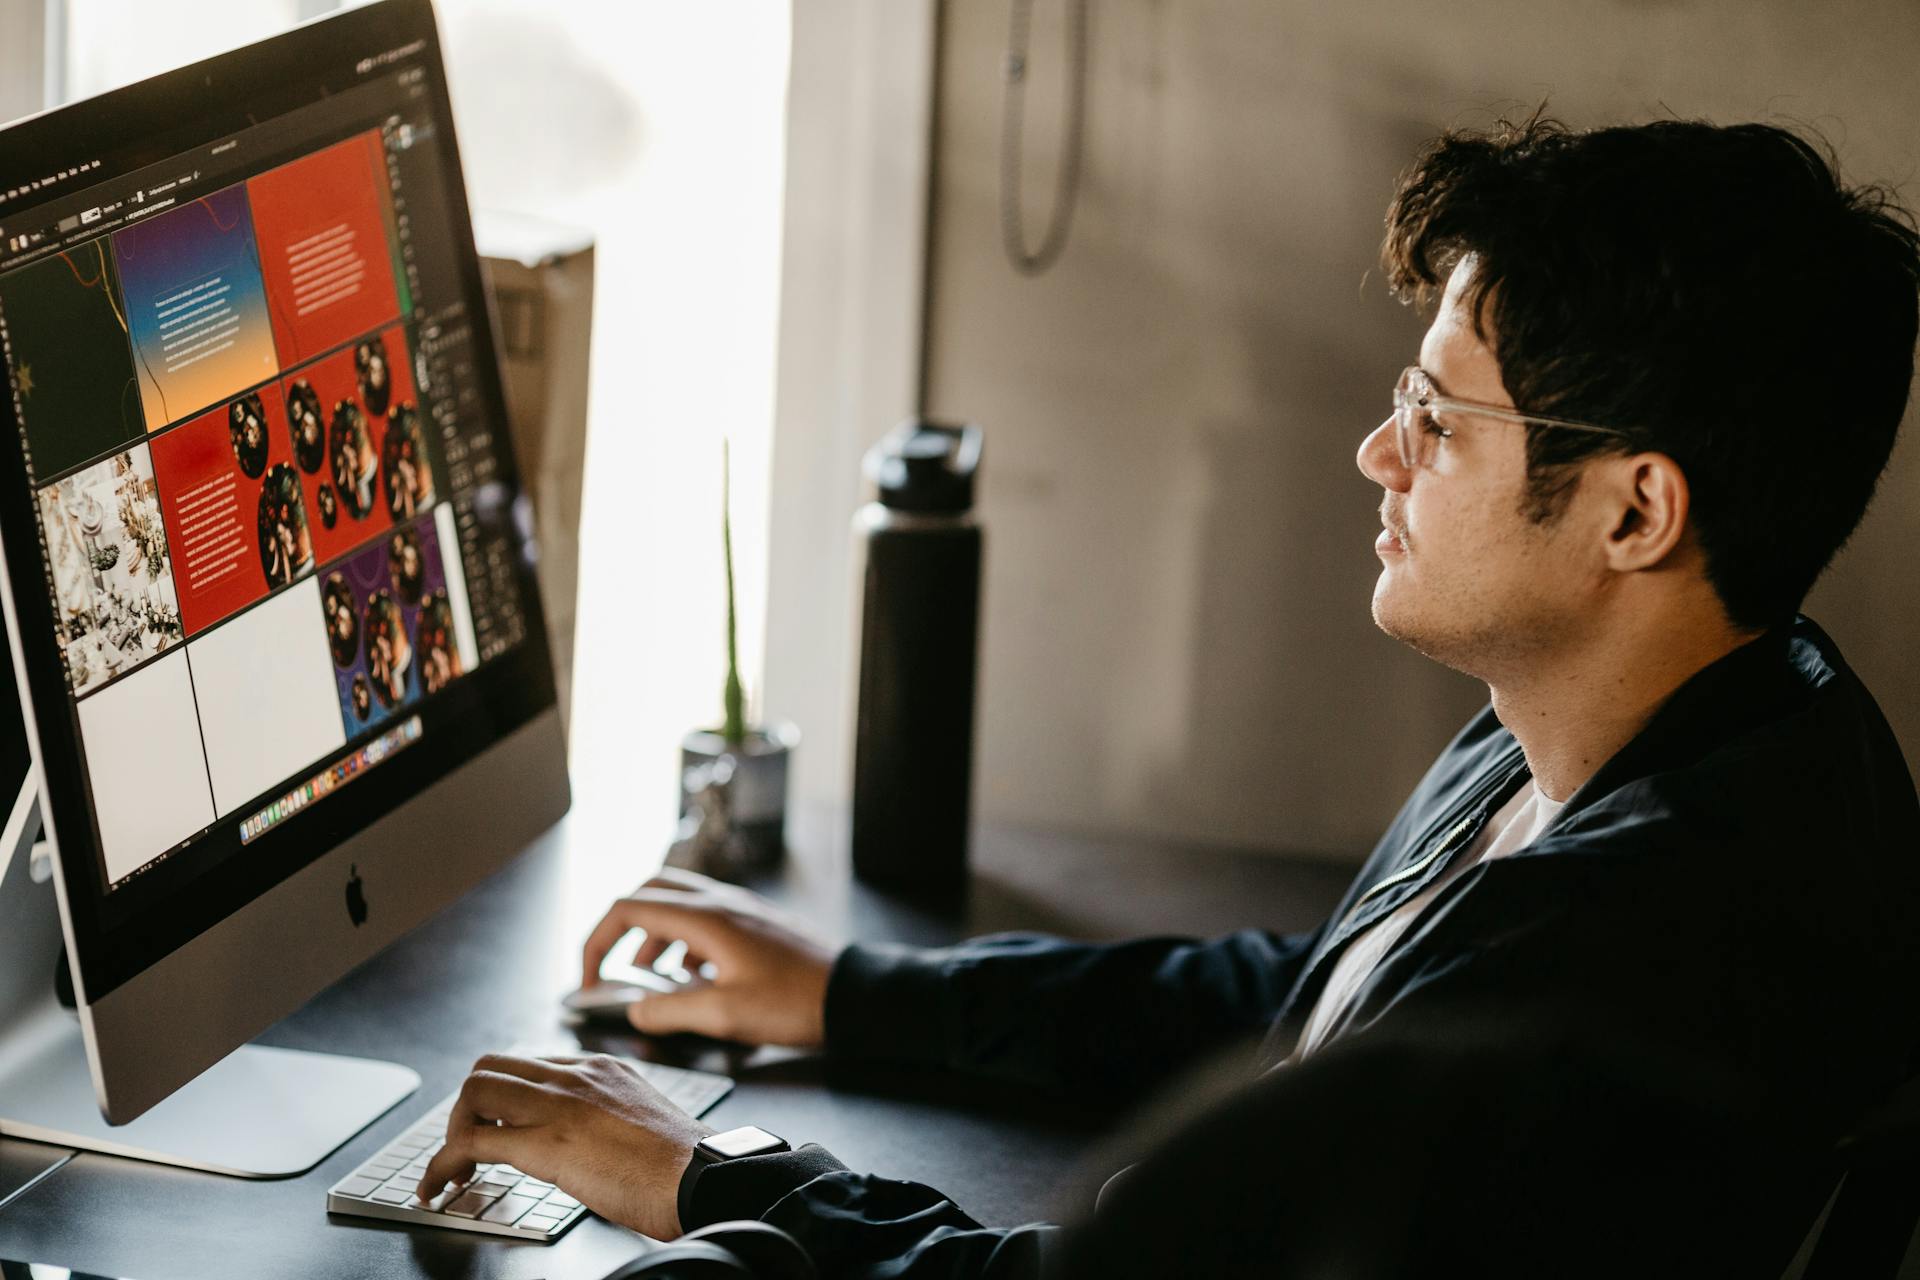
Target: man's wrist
749,1187
718,1148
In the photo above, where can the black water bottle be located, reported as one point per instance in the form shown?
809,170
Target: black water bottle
919,627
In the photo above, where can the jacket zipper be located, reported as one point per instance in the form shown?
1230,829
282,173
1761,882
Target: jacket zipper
1445,843
1414,868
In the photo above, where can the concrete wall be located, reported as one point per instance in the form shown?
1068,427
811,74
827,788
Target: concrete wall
23,28
1177,639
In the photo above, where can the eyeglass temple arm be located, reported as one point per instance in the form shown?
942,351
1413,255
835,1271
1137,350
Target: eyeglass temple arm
1447,404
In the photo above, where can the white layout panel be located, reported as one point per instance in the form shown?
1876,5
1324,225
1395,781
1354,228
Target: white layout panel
456,578
144,763
268,705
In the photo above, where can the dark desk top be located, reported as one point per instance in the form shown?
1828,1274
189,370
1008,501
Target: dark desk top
487,973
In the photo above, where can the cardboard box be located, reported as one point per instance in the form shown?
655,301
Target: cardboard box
541,277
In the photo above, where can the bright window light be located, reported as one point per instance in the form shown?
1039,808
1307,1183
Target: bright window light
110,43
660,127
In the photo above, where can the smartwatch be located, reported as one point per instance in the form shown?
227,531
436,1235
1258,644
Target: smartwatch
718,1148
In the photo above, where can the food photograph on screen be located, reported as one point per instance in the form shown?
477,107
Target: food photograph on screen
113,589
353,425
235,512
392,632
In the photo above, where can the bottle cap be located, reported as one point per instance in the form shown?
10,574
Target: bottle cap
925,466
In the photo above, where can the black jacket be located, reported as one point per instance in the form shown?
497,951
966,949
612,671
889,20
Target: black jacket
1647,1028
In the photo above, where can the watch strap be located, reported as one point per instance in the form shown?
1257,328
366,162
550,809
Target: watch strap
704,1157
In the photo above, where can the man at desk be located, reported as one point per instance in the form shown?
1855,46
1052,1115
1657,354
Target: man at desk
1655,911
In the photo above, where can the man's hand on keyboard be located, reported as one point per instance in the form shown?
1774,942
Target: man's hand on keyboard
769,982
590,1126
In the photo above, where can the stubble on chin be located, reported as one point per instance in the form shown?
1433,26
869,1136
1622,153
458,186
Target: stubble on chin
1450,646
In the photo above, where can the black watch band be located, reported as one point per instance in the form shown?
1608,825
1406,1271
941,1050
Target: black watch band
718,1148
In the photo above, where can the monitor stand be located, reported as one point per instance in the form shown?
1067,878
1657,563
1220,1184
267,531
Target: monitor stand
260,1112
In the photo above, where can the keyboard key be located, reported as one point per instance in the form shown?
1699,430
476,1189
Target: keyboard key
386,1160
560,1200
469,1205
508,1209
537,1221
392,1195
359,1188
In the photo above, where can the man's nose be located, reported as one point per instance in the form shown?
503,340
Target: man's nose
1379,459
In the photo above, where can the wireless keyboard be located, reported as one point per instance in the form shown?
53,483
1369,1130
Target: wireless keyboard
499,1199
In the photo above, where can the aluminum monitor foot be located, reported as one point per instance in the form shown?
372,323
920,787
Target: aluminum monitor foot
258,1113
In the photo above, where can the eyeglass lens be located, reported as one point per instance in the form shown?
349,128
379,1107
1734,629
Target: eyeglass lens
1409,397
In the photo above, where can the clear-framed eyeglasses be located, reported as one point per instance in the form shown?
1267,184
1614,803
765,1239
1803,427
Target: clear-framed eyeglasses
1415,429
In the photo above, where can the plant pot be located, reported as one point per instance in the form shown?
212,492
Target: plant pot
759,783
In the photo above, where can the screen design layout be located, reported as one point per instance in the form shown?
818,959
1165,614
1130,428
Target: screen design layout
242,501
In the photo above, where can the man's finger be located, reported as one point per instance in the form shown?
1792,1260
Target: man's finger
483,1144
680,878
672,913
540,1070
649,952
490,1096
703,1012
486,1098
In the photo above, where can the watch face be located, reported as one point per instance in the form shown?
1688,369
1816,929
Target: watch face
744,1141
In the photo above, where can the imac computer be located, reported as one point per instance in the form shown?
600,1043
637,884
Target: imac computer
284,686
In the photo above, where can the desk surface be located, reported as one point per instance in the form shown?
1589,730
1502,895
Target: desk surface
486,974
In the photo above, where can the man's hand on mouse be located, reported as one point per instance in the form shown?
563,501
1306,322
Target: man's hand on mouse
769,976
590,1126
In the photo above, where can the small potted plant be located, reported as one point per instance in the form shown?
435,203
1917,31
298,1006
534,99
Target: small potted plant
733,779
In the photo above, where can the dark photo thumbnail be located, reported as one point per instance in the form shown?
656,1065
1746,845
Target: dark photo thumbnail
376,376
73,369
433,641
286,544
375,603
408,474
309,426
389,654
329,506
356,466
247,424
343,620
406,566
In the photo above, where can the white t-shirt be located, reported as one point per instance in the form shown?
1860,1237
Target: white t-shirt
1519,822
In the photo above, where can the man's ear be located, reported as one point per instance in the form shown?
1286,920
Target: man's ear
1649,493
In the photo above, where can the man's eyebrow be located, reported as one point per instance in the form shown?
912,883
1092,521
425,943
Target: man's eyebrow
1433,381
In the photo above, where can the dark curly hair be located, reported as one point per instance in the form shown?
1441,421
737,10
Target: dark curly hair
1717,293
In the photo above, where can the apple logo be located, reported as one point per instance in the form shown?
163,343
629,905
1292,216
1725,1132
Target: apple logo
356,897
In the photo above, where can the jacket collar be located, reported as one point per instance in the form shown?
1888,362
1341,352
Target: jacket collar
1735,694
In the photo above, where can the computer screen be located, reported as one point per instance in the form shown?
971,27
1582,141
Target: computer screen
266,570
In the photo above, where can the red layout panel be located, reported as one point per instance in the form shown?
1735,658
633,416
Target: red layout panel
359,441
237,522
322,230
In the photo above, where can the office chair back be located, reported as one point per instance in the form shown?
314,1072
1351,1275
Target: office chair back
1872,1217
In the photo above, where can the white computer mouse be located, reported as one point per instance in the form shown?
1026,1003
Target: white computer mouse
609,1000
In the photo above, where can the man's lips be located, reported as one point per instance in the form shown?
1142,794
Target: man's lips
1391,538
